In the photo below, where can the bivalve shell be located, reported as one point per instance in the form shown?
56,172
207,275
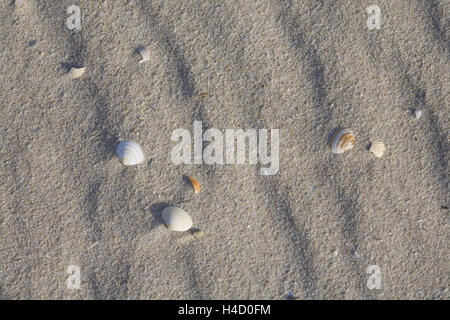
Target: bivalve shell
176,219
378,148
418,114
195,184
144,54
76,72
342,141
129,153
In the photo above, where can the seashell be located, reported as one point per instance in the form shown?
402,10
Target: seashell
195,184
377,148
418,114
342,141
129,153
176,219
144,54
76,72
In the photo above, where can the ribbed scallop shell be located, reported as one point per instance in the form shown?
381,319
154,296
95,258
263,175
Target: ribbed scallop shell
129,153
342,141
76,72
144,54
377,148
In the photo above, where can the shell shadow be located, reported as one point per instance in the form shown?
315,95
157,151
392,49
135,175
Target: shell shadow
186,182
110,143
156,210
66,66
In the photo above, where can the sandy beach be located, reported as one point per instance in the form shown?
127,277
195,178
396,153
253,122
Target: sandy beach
304,67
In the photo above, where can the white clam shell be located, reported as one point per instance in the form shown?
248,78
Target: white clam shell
76,72
129,153
342,141
418,114
176,219
144,54
378,148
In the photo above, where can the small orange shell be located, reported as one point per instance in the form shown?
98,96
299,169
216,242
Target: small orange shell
195,184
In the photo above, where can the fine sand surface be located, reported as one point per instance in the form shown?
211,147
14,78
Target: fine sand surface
305,67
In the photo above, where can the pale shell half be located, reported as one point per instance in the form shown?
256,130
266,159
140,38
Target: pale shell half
418,114
377,148
129,153
144,54
76,72
176,219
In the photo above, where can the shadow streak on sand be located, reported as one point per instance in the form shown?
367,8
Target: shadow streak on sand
437,144
300,259
301,253
347,209
436,15
115,276
108,137
175,54
182,68
156,210
91,199
186,84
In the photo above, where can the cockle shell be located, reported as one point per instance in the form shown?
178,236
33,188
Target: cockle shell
76,72
378,148
129,153
144,54
176,219
342,141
